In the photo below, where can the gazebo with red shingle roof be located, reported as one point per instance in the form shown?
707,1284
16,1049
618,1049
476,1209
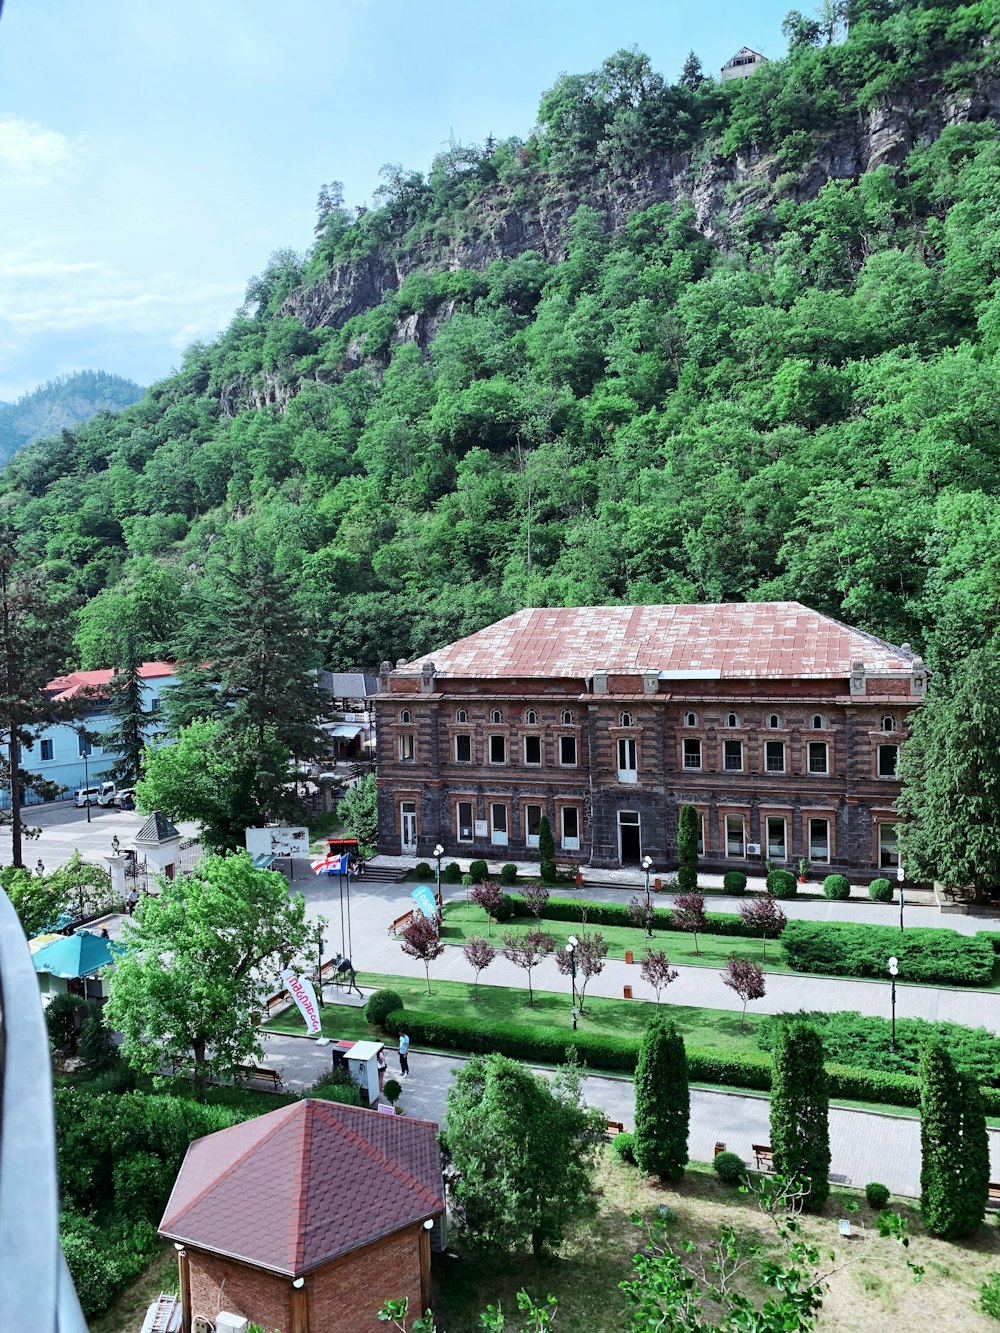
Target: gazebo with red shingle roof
306,1219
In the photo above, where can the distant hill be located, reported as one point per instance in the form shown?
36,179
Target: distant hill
62,402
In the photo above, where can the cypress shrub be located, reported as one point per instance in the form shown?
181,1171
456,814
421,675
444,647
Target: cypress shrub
837,886
877,1195
800,1112
546,842
782,884
422,870
508,873
730,1168
623,1147
734,881
955,1161
687,849
662,1102
880,891
479,871
452,873
379,1005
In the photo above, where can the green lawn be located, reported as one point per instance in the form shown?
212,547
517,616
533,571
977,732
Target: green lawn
464,919
502,1004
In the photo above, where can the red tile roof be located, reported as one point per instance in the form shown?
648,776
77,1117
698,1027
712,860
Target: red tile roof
75,683
297,1187
752,640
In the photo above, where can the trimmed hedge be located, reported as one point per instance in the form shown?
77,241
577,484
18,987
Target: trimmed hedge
880,891
508,873
452,873
837,887
422,870
479,871
938,957
380,1004
730,1168
616,914
734,881
782,884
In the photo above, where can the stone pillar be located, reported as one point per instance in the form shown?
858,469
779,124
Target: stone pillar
116,865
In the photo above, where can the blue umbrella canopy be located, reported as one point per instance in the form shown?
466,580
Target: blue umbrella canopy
75,956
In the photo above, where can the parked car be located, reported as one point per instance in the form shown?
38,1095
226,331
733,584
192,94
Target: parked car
103,795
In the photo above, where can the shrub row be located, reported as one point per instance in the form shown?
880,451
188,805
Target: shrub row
616,914
938,957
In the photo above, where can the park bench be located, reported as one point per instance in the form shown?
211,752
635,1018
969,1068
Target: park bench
763,1156
993,1195
613,1128
400,923
248,1073
568,870
279,997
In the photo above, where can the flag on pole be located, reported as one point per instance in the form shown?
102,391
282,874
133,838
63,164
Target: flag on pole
325,865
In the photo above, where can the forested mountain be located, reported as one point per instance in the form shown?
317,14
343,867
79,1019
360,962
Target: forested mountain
685,341
62,402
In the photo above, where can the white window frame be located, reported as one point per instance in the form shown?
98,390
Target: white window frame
566,717
690,719
408,812
768,853
741,855
768,767
462,716
532,763
732,719
531,839
817,859
496,716
46,743
694,741
499,837
531,717
727,767
472,821
563,763
626,720
817,722
628,749
407,747
888,853
570,844
825,770
405,716
497,763
774,721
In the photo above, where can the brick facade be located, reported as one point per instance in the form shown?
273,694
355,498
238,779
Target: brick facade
469,759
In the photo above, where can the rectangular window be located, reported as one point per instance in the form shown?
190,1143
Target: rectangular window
777,846
887,757
888,849
571,828
774,756
465,825
692,753
463,749
701,835
84,746
628,760
818,762
567,751
732,756
46,750
498,749
405,747
532,821
735,843
498,825
533,749
819,840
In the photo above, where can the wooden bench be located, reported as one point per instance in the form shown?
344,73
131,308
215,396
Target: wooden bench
993,1195
400,923
763,1156
568,870
613,1128
248,1073
279,997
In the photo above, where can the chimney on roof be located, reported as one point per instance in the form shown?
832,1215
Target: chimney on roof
918,677
650,682
600,682
858,678
427,673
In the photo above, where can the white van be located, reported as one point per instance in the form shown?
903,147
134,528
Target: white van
102,795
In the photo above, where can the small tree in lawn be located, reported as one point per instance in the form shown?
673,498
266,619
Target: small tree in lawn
763,914
690,915
591,954
657,972
800,1111
746,978
487,896
955,1163
688,821
546,851
527,951
640,914
536,897
662,1102
479,953
421,939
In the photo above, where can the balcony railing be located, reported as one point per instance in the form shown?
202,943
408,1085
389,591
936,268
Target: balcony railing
36,1290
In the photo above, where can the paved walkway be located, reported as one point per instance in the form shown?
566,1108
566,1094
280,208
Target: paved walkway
864,1145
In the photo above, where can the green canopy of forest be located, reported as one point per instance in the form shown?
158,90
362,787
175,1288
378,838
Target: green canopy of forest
591,385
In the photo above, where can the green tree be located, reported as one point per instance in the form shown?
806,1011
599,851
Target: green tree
546,850
358,812
31,897
800,1112
950,771
522,1150
688,826
196,960
692,75
126,737
662,1102
954,1146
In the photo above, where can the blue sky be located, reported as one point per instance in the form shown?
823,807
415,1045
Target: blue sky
153,155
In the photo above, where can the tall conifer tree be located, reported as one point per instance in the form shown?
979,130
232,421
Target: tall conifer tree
800,1111
687,849
127,735
662,1102
955,1158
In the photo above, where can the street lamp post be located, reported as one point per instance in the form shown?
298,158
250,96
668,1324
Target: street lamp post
85,744
893,972
438,853
901,876
647,865
571,946
319,963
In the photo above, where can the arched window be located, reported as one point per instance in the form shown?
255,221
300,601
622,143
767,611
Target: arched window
567,717
462,715
404,715
626,720
496,715
773,721
531,717
732,720
888,723
690,719
817,722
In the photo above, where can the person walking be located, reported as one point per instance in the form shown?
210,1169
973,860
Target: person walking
383,1065
404,1055
132,901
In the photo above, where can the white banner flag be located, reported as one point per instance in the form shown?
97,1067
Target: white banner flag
303,993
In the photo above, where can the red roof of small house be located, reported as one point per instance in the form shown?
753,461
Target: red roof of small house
749,640
75,683
293,1189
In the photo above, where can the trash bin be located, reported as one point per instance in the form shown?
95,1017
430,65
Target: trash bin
629,956
628,992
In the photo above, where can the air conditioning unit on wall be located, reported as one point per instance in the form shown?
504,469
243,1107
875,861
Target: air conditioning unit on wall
753,849
230,1323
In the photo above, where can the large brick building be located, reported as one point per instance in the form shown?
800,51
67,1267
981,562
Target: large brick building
779,725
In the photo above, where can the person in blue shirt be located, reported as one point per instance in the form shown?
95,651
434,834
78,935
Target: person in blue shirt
404,1055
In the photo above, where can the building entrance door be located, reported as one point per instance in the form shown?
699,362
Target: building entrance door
629,838
408,827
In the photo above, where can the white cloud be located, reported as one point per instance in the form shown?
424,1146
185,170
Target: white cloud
34,155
